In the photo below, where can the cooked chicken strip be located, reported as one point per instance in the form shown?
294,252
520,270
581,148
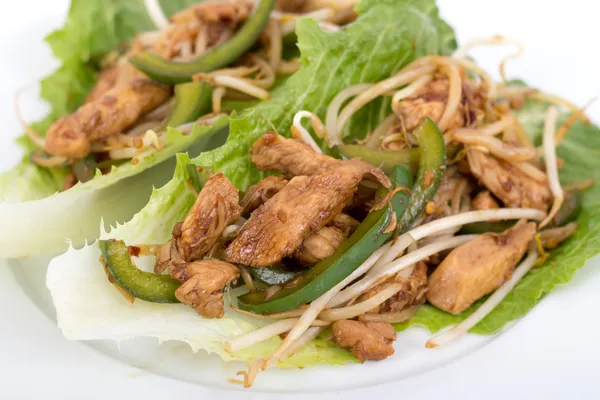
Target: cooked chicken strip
507,183
293,158
258,194
215,208
106,81
111,113
478,267
431,100
322,244
413,291
484,201
305,205
203,284
366,340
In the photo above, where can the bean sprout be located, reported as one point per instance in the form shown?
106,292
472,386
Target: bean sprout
552,165
404,77
494,145
392,268
392,317
331,119
156,14
300,131
441,224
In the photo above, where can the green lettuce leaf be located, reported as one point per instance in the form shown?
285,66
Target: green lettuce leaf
41,227
384,38
580,151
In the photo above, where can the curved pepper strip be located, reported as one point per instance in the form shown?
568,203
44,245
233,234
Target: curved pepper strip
432,163
192,100
386,160
170,72
132,280
368,237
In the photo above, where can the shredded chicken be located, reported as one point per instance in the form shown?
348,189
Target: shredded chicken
431,100
442,201
112,112
106,80
168,257
293,158
304,205
322,244
484,201
203,284
366,340
413,292
258,194
478,267
508,183
216,207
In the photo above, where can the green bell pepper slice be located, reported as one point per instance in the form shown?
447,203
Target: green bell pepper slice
432,163
192,100
386,160
368,237
170,72
139,284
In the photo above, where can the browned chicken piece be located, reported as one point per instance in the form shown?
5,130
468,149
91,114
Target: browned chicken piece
305,205
293,158
258,194
344,223
442,202
322,244
168,257
413,292
211,18
484,201
366,340
216,207
203,284
290,6
112,113
106,80
478,267
431,100
507,183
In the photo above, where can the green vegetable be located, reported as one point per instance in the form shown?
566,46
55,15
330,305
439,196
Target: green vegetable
386,160
275,274
370,235
140,284
432,162
192,100
393,34
114,197
170,72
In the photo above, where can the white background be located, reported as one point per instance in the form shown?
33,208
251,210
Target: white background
552,353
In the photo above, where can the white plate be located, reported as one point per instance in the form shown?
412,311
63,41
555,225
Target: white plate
551,352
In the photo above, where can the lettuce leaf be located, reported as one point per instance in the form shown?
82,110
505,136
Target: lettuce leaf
579,151
385,37
41,227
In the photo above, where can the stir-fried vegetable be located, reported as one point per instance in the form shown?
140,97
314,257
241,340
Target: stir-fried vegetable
276,275
386,160
192,100
132,280
170,72
432,162
368,237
